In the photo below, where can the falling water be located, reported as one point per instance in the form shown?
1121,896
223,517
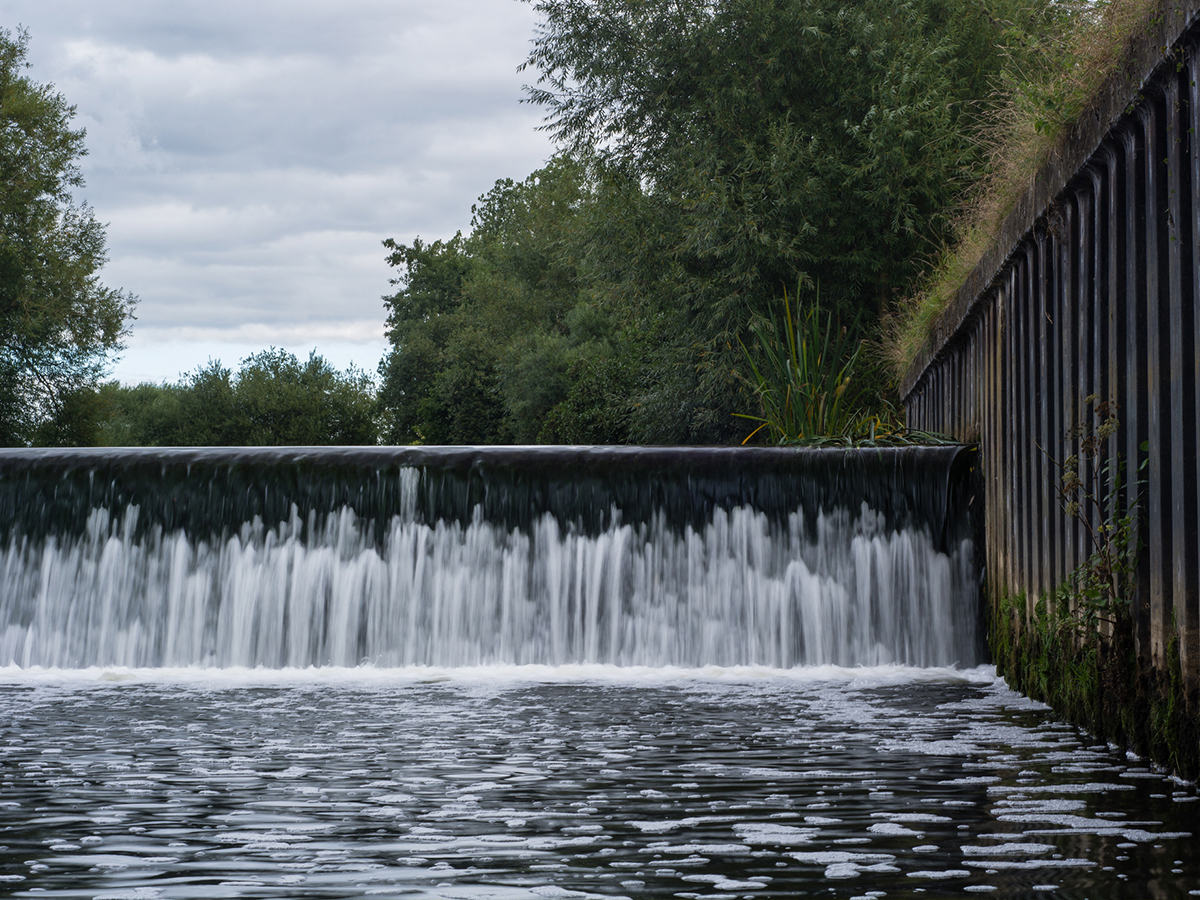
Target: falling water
455,557
533,672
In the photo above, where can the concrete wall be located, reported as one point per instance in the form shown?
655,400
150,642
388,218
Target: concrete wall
1092,288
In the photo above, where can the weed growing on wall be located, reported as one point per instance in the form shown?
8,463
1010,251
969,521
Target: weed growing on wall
1075,649
1097,682
1091,492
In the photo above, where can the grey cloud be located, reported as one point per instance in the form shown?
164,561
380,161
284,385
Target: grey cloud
249,157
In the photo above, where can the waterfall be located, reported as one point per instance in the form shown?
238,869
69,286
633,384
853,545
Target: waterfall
466,556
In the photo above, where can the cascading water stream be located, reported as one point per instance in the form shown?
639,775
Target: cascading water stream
163,735
468,556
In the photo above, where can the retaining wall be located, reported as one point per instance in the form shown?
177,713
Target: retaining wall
1092,289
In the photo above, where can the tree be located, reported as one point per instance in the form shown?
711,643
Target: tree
481,325
794,136
713,155
774,141
286,402
59,326
272,400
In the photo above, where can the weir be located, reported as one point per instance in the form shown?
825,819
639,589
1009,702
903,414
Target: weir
468,556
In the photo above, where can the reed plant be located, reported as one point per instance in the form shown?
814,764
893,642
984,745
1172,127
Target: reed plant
810,379
802,372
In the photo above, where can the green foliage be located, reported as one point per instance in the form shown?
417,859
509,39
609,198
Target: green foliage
808,378
493,332
273,400
58,324
786,136
1070,48
1091,491
711,155
77,420
804,376
1075,649
1099,684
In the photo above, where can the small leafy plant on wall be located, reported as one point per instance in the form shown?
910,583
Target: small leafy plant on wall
1077,651
1091,491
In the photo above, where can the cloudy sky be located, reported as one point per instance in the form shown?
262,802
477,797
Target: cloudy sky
250,156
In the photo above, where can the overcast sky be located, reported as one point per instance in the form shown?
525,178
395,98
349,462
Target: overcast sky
250,156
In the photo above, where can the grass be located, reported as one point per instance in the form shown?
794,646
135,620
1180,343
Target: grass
802,373
1036,108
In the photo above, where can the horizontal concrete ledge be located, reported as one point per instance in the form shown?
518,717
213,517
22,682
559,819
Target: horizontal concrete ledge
1146,55
579,459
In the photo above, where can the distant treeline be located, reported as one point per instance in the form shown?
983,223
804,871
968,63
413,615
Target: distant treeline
272,399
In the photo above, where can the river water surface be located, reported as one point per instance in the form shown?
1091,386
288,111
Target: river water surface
556,782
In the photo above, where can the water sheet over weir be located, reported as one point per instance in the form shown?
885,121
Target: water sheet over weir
465,556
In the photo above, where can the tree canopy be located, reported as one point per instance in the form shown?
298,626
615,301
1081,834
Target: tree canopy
274,399
59,326
713,155
488,327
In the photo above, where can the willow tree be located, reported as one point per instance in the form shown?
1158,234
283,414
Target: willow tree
59,326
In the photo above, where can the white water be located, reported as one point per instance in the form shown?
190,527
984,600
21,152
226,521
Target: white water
740,591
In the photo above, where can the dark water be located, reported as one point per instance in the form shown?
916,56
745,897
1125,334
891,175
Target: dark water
164,735
536,782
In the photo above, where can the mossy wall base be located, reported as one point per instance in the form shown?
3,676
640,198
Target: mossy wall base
1099,684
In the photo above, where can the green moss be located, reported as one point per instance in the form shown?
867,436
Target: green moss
1099,682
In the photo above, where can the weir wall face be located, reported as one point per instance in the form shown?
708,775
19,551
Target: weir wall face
469,556
1094,289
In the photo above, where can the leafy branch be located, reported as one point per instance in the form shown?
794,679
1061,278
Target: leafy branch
1090,491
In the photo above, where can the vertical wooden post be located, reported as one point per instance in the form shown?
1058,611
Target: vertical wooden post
1182,386
1115,282
1084,315
1133,402
1026,449
1102,192
1157,508
1063,410
1006,435
1043,401
1187,609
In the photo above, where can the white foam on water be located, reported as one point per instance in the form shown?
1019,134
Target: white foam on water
500,676
1012,848
767,833
940,875
1029,863
927,818
893,830
1068,788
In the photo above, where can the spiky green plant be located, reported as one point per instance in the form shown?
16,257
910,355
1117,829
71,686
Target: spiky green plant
802,373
